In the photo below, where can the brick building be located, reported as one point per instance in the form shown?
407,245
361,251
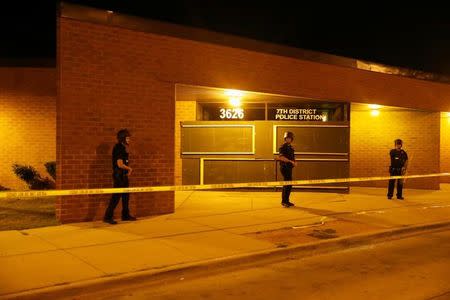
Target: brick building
27,120
116,71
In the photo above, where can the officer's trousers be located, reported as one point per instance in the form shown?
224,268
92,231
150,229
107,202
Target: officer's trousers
120,181
395,172
286,171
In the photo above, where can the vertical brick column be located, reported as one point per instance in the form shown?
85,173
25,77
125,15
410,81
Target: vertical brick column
185,111
106,82
445,146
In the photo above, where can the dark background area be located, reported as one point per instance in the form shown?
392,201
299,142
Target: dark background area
406,36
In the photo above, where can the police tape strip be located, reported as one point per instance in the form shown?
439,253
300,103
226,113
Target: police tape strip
52,193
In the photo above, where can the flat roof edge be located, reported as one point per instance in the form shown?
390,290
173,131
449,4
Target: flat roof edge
105,17
44,63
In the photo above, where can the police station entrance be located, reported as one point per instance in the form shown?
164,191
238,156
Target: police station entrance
230,136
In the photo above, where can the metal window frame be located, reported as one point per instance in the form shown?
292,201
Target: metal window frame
202,165
275,138
222,152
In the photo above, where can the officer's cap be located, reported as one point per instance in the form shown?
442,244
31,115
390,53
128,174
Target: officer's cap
289,134
122,134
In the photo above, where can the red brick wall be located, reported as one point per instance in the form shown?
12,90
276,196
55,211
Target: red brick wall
111,77
445,146
185,111
27,121
108,80
371,139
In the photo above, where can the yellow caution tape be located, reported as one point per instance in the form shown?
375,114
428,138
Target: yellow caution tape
52,193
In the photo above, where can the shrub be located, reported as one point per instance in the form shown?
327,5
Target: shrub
32,177
51,168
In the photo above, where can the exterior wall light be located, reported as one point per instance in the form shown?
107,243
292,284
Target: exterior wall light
235,101
234,97
374,109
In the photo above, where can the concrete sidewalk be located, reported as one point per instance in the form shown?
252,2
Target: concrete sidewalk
206,225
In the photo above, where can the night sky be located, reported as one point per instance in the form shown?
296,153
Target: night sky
416,38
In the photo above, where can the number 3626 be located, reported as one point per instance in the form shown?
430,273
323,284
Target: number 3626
231,113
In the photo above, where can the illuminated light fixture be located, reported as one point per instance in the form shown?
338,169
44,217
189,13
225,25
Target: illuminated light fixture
235,101
324,118
375,112
234,97
374,106
448,114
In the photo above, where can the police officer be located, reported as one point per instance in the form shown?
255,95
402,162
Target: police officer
287,163
121,171
399,163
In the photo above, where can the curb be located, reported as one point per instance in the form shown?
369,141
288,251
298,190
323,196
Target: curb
226,263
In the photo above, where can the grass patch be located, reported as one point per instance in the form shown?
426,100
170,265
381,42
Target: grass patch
17,214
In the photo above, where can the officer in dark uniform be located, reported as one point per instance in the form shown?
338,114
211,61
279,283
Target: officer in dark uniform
399,163
121,171
287,163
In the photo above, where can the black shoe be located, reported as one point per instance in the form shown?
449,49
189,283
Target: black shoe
390,197
400,198
110,221
129,218
285,204
291,204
